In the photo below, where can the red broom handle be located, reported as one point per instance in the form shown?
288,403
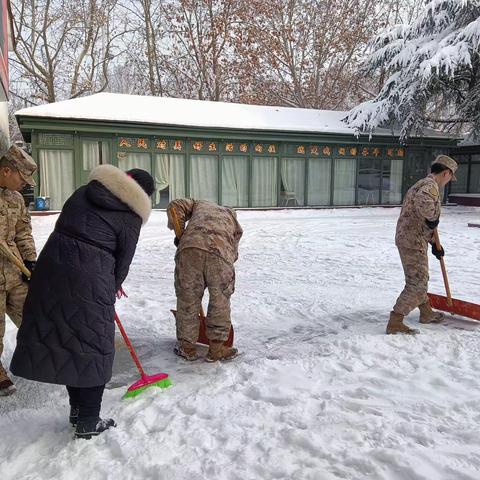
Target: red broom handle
130,346
444,268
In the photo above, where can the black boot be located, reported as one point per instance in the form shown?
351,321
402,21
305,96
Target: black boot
92,426
73,418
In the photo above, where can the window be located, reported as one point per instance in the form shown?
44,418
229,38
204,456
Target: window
57,179
169,178
461,185
129,160
94,153
392,182
474,178
204,177
319,176
235,181
264,182
344,181
292,171
369,179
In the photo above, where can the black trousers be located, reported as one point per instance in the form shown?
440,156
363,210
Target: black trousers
87,399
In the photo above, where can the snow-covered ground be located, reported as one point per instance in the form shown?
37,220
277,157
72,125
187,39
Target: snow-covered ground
320,392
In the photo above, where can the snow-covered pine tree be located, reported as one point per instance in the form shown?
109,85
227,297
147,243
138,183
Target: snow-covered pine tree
432,68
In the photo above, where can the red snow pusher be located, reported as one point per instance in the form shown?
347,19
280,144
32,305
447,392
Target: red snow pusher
202,334
449,304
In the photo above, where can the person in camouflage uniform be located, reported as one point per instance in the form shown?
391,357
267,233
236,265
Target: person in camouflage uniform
16,170
206,252
419,217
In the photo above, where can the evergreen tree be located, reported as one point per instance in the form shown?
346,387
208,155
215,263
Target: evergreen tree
432,72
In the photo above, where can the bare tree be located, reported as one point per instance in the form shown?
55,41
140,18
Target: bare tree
304,53
145,19
63,49
199,47
301,53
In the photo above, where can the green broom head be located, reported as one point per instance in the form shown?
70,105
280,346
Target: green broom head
160,380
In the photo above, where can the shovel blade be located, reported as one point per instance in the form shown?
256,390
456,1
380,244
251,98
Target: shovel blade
202,333
458,307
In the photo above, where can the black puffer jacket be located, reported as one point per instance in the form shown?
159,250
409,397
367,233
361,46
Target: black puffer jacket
67,332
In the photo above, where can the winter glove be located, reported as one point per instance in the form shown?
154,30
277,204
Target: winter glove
176,241
437,253
432,223
30,264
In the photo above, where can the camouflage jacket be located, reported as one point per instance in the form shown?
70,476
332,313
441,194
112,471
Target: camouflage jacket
16,231
422,202
209,227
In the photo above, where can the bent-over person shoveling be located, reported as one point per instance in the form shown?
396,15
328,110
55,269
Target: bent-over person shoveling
206,252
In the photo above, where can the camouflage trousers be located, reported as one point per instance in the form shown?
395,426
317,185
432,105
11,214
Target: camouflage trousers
11,303
415,267
196,270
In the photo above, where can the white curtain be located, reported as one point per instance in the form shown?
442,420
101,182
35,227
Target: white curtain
344,181
162,174
57,179
169,178
264,182
235,181
130,160
292,171
394,193
177,176
91,157
204,177
319,177
91,154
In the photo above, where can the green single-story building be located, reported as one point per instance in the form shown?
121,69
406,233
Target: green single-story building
233,154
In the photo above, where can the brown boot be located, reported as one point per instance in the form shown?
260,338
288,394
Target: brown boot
427,315
218,351
186,350
396,325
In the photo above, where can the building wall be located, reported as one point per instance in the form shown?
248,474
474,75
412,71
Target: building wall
237,173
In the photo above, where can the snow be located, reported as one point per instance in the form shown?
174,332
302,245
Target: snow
320,391
196,113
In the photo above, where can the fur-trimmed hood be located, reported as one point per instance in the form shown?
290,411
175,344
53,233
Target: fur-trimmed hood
124,188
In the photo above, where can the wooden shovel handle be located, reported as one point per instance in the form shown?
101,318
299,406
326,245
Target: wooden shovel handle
7,252
443,267
178,234
176,223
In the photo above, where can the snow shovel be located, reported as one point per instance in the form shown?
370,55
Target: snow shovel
202,334
7,252
449,304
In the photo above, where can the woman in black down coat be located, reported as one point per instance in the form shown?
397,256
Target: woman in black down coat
67,332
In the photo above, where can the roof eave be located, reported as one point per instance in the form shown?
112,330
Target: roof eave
29,123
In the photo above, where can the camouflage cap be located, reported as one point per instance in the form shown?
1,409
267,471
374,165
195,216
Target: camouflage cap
447,162
22,161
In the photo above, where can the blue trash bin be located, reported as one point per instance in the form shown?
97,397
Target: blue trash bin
42,203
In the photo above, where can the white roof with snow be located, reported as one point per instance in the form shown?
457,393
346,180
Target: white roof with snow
181,112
